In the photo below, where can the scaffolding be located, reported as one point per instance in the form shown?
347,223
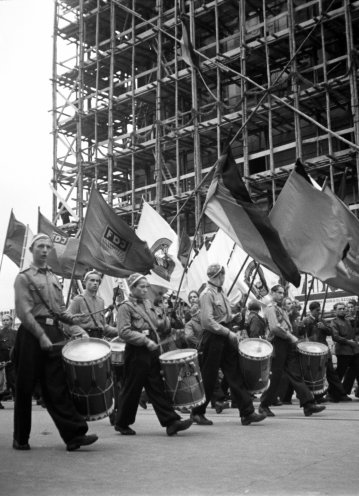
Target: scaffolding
130,114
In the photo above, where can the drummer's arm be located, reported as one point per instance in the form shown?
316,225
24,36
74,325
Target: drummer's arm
274,326
126,331
75,330
110,331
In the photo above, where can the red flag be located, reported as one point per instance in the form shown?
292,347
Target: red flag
14,240
188,54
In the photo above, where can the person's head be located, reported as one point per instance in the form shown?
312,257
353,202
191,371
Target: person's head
314,308
138,286
193,297
40,247
287,304
92,281
277,293
6,320
340,310
216,274
351,307
254,306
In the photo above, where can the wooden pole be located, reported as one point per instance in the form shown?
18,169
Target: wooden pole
251,284
307,296
54,110
236,278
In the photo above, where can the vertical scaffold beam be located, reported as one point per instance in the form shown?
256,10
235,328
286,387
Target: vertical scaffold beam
178,165
97,41
80,109
158,164
218,77
244,86
133,109
352,66
110,106
54,109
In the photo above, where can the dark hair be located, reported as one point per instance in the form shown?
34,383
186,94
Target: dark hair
254,305
275,288
191,292
158,300
313,305
337,304
352,302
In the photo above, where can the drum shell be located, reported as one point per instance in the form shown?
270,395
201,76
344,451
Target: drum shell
90,382
182,377
255,370
313,367
117,352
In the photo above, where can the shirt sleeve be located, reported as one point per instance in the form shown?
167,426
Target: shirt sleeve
208,321
274,325
336,334
24,305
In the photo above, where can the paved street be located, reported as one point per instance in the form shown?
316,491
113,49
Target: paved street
286,455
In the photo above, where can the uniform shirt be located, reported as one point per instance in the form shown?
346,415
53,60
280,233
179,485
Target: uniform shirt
256,326
343,332
215,310
95,304
310,328
7,342
28,304
278,322
133,328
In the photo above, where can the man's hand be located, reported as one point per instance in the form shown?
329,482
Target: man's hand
232,336
293,339
151,345
79,318
45,343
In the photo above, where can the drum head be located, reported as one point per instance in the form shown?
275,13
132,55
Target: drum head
256,348
312,348
175,355
86,350
117,346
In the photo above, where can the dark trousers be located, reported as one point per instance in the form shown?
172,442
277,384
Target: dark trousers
346,363
219,353
142,370
34,365
286,359
335,387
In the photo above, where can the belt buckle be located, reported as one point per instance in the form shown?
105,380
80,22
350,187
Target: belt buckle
49,321
146,332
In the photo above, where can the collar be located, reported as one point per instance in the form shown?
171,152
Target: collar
219,288
40,270
135,301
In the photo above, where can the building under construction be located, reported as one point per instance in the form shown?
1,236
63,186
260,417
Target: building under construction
278,79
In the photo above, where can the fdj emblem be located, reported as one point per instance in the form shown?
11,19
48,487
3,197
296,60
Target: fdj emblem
115,243
164,265
259,285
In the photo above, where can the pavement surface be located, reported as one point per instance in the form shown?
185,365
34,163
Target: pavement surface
289,454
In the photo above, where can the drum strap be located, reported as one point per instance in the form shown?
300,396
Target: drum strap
52,314
89,309
145,317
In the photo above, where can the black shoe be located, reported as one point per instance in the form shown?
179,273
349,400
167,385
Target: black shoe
253,417
22,447
143,404
79,441
177,426
184,409
1,406
345,398
125,431
323,399
265,410
221,405
311,408
277,402
201,419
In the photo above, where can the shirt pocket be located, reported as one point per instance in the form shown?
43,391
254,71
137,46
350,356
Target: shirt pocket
34,291
137,321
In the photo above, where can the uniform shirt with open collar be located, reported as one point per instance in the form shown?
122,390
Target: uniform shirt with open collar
215,310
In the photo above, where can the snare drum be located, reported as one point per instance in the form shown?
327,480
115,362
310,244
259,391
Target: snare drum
182,376
254,362
88,371
117,351
313,358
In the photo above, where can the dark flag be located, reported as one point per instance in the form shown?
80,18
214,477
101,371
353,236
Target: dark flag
184,248
230,206
108,244
14,241
188,54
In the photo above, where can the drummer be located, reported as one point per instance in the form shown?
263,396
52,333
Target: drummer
93,307
138,325
40,307
219,346
285,358
314,329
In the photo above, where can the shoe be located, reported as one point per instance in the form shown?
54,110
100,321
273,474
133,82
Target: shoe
184,409
253,417
22,447
323,399
311,408
143,404
265,410
125,431
200,419
1,406
79,441
177,426
220,406
345,398
331,399
277,402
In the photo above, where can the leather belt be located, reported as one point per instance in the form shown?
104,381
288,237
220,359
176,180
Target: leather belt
50,321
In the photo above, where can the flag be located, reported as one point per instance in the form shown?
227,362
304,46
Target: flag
184,248
197,270
163,242
188,54
342,191
63,255
14,240
230,206
108,244
308,222
26,258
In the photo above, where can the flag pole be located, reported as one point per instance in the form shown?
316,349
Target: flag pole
24,247
251,284
324,301
78,250
239,273
307,296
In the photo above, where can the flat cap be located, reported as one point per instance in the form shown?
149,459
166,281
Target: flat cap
39,236
214,270
133,278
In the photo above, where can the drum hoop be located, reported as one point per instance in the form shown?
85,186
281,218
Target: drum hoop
259,359
264,357
89,362
178,360
312,353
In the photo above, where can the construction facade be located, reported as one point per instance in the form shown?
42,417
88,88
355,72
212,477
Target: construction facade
278,79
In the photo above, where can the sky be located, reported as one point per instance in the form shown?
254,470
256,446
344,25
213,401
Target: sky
26,29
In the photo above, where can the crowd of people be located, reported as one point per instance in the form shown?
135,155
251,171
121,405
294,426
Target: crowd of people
31,357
